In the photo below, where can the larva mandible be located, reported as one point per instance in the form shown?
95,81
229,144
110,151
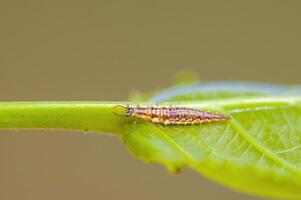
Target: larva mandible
173,115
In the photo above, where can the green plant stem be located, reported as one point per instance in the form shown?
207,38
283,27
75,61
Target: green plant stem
80,116
99,116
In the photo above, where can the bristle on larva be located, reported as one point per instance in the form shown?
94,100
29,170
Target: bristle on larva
174,115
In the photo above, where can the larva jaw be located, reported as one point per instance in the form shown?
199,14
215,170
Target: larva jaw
129,111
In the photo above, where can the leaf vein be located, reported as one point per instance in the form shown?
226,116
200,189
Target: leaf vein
241,130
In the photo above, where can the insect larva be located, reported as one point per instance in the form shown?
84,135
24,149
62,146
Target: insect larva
173,115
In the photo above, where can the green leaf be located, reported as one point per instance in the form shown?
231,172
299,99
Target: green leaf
258,151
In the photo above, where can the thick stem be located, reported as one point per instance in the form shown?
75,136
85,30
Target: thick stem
99,116
81,116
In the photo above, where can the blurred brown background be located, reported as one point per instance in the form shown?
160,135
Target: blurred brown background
102,50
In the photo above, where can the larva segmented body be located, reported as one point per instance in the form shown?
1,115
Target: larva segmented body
174,115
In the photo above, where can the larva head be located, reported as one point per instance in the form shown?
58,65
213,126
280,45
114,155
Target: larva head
129,111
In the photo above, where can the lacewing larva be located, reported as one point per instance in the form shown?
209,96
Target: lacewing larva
173,115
